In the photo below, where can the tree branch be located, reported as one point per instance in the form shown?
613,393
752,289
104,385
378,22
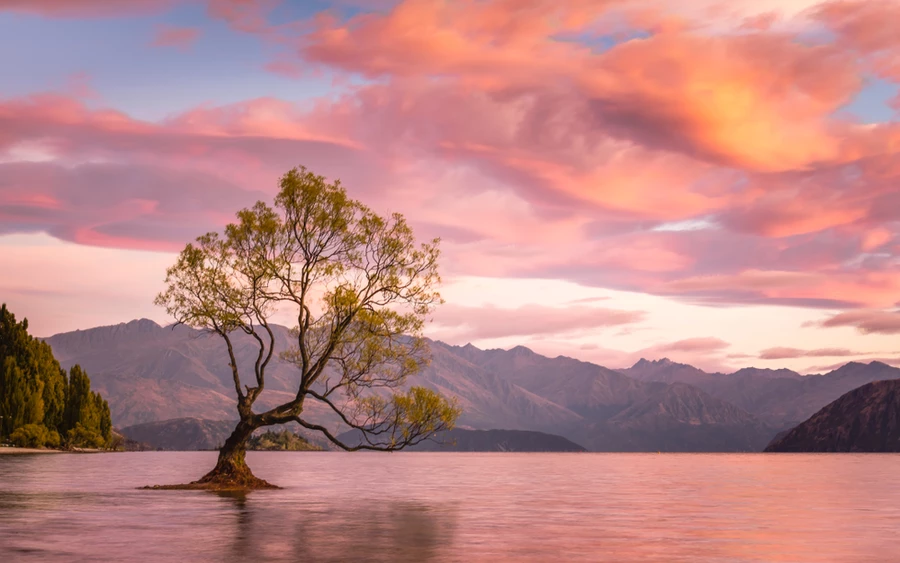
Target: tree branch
345,447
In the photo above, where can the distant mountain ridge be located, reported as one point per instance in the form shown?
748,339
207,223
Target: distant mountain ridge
153,373
779,398
866,419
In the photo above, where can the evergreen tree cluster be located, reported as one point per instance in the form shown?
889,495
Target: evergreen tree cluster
41,404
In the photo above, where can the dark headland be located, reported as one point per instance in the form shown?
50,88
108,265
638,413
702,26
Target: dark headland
866,419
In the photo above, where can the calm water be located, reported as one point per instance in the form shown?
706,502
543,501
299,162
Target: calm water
456,507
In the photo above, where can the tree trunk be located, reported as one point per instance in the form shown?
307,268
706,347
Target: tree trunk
231,470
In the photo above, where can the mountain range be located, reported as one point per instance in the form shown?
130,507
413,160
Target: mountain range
779,398
152,373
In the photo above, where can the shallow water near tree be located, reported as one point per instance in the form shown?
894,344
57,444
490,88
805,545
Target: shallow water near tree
455,507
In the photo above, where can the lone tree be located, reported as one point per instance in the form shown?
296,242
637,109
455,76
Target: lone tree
359,287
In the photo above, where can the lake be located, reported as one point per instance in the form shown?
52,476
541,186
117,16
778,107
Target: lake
456,507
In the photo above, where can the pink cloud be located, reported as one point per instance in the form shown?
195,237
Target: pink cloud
175,36
869,26
463,323
83,8
781,353
171,181
718,98
508,224
866,321
115,205
760,22
248,16
705,344
286,68
693,163
854,289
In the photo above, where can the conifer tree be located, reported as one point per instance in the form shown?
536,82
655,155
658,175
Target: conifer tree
38,403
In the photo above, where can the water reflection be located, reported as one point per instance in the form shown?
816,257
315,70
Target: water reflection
369,531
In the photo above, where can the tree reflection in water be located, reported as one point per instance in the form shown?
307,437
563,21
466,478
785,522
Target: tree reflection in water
368,530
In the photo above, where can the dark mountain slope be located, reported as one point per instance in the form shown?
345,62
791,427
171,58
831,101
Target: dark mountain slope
866,419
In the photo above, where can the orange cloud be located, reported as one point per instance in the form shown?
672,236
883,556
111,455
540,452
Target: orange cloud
690,162
761,101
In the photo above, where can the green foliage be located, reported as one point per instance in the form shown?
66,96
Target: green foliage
20,397
359,286
35,392
34,436
84,437
87,417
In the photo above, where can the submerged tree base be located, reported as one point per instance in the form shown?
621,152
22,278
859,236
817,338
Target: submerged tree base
217,480
210,486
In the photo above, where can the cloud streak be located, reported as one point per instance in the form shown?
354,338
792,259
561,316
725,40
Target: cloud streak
461,323
783,353
866,321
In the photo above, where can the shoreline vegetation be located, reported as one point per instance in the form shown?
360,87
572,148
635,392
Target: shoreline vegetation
42,404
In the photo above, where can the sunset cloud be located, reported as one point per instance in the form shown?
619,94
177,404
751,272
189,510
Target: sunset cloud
173,36
84,8
781,353
701,150
464,323
866,321
142,207
709,344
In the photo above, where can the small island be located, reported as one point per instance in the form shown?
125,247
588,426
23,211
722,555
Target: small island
281,441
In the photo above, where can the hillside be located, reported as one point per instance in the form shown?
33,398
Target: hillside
866,419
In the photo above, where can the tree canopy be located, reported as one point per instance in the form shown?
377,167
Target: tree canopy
359,288
41,404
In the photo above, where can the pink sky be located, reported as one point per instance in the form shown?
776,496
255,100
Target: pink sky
716,182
